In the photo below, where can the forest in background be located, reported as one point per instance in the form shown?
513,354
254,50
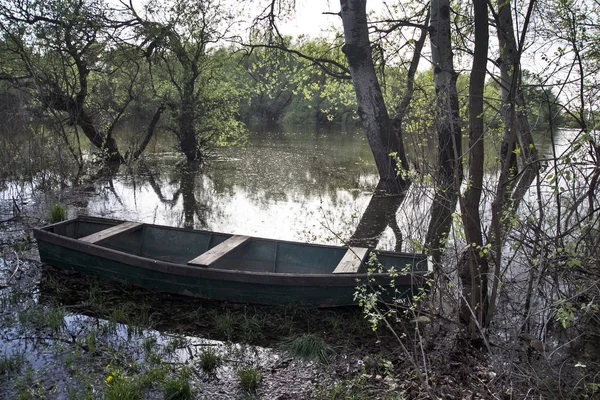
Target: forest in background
88,69
76,71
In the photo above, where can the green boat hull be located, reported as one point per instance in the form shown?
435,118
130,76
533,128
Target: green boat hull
260,272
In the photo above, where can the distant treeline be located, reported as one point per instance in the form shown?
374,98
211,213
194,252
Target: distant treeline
275,86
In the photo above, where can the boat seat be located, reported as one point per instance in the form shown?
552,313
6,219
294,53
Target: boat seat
112,231
213,255
352,260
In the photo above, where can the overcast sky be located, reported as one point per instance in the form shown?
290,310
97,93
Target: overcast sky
309,17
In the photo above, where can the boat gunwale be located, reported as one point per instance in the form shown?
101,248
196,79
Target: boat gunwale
276,278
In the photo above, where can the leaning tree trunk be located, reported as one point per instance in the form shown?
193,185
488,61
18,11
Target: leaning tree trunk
371,107
449,136
379,214
517,132
381,210
106,143
53,98
473,272
517,138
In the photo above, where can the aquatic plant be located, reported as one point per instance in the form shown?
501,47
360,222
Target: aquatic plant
58,212
11,363
120,387
179,387
224,324
149,343
89,342
56,318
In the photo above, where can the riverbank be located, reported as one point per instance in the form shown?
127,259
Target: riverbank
68,336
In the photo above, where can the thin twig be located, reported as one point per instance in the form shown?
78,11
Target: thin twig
16,268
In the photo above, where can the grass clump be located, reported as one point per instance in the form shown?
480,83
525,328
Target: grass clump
178,387
353,389
149,343
225,324
58,212
309,347
209,360
249,378
238,326
56,318
11,363
89,342
121,387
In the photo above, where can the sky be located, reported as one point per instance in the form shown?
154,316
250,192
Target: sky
309,17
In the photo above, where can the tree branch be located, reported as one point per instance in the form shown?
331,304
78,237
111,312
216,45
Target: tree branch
328,66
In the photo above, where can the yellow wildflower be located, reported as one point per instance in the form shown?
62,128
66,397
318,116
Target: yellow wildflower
109,379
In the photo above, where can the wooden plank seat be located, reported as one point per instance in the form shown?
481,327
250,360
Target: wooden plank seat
112,231
213,255
352,260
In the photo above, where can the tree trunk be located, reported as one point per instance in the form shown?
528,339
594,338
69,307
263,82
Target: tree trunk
473,272
188,138
149,132
448,129
517,138
107,144
382,208
517,132
58,101
371,107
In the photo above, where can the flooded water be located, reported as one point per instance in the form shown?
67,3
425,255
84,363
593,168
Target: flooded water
65,336
291,185
60,343
295,183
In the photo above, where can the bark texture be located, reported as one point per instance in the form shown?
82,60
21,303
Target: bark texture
371,107
517,132
450,172
380,212
474,271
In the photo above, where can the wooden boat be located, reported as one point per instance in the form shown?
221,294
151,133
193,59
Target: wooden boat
225,267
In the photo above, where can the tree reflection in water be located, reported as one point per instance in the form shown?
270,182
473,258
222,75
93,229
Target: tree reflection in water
184,177
379,214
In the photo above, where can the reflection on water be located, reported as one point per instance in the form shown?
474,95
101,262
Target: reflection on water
294,186
301,185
